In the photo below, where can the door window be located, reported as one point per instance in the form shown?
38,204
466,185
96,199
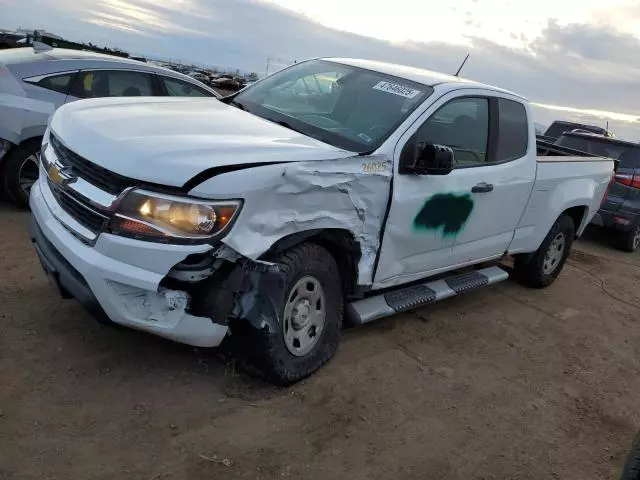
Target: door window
513,131
462,125
178,88
112,83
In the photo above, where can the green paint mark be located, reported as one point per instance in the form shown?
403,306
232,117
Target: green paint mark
445,210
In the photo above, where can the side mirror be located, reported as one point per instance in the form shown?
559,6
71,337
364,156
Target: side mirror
421,158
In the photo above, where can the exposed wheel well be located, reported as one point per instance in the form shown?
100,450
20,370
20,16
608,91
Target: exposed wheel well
340,243
37,138
577,215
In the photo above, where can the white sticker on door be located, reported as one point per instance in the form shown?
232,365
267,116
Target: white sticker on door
396,89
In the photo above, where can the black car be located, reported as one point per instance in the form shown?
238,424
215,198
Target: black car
557,128
620,210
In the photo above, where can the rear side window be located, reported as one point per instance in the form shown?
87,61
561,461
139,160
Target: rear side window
57,83
178,88
112,83
513,131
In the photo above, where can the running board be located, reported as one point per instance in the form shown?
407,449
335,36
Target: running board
406,298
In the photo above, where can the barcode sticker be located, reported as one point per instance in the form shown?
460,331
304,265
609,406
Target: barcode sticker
396,89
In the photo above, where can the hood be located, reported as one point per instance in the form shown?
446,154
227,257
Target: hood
170,140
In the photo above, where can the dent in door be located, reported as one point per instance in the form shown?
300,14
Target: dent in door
446,211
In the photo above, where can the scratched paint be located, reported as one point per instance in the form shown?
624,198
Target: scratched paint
446,211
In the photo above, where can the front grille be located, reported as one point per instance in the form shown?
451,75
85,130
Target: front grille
78,209
100,177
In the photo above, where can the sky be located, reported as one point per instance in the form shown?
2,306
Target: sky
574,59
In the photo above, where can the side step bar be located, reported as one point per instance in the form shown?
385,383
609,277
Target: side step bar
406,298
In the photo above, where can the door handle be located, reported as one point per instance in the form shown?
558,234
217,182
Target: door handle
482,188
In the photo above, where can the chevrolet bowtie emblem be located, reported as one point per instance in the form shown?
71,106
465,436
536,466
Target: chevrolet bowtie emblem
61,176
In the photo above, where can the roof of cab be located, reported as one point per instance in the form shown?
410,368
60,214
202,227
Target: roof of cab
419,75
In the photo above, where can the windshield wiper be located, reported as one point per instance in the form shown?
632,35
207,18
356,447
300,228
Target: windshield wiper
236,103
231,100
299,130
288,125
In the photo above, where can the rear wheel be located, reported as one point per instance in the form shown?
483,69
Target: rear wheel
629,241
540,269
21,166
310,320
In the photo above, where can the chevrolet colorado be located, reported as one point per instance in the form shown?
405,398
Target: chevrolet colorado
333,187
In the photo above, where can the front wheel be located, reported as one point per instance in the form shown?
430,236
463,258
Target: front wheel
310,318
540,269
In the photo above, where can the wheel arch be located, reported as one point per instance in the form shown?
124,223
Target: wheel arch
579,215
340,243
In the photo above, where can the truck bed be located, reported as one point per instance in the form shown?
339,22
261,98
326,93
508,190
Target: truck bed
548,151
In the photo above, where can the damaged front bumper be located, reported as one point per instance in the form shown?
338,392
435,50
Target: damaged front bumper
119,278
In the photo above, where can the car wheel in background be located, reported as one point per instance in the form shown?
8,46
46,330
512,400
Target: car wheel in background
540,269
629,241
21,171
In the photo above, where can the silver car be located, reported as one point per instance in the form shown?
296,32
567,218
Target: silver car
35,81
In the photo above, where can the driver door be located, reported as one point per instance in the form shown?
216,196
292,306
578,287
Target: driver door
441,222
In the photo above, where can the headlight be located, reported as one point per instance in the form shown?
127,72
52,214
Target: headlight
150,214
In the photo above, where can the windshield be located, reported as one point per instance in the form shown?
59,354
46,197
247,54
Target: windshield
347,107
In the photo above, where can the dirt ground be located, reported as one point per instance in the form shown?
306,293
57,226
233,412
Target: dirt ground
501,383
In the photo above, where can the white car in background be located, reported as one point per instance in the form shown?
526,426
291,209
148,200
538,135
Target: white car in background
36,81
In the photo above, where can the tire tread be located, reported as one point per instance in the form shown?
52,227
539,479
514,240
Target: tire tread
528,269
267,350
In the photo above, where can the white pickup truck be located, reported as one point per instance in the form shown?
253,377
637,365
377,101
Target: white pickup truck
335,186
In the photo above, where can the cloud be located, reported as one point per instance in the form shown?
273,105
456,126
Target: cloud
588,42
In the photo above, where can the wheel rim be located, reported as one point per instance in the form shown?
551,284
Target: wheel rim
636,238
28,173
304,316
554,253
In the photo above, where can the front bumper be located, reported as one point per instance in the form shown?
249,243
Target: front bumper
126,293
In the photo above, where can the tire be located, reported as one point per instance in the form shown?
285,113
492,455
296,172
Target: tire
629,241
271,352
631,470
540,270
16,170
3,194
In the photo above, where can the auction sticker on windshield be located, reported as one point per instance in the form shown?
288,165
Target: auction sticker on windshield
396,89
